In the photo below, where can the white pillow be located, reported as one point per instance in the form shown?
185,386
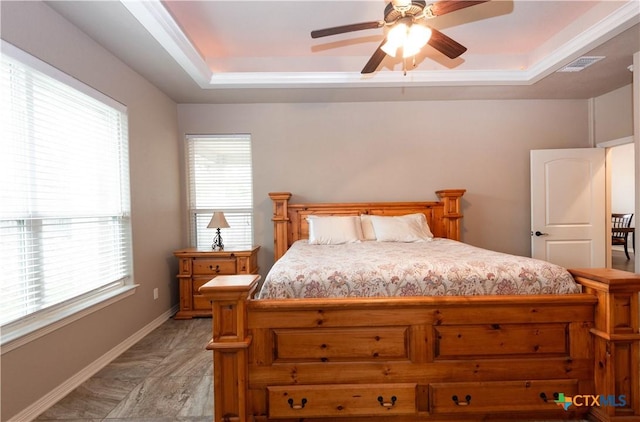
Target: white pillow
404,228
334,230
368,233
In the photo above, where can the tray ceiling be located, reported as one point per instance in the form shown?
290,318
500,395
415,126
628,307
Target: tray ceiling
256,51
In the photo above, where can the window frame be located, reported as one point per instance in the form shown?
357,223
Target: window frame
193,211
41,322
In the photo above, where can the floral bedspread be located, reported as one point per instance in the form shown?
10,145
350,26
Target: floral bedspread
441,267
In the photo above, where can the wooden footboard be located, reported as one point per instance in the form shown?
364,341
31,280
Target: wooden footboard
616,341
439,358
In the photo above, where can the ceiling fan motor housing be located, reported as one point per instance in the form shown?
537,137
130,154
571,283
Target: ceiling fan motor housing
397,9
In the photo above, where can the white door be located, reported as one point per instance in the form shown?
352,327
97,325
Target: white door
568,207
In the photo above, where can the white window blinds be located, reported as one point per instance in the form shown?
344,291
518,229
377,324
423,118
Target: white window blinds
220,179
64,191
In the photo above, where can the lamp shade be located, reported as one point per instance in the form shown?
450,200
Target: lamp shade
218,221
417,37
411,37
395,39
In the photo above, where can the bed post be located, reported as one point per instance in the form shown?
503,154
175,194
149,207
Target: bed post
616,338
230,343
452,211
280,222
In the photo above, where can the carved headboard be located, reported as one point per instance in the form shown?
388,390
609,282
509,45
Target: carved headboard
290,223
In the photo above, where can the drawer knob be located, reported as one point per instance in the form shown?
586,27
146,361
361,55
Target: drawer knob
543,396
297,406
217,269
386,403
467,401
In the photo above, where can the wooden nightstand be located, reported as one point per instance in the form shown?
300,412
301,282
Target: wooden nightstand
197,266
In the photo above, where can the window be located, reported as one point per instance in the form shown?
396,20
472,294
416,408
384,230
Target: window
219,178
64,193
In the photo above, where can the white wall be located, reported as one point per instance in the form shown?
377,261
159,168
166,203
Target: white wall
623,179
32,371
400,151
614,117
614,124
636,138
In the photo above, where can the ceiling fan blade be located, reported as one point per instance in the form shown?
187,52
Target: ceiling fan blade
375,59
448,6
445,44
346,28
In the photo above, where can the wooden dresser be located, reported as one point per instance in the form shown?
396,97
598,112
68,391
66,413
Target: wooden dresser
197,266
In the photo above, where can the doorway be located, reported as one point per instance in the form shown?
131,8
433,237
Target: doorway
621,159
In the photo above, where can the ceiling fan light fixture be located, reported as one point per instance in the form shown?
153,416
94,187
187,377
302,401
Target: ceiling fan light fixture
417,38
396,38
411,38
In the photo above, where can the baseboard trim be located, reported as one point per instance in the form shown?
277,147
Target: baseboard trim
55,395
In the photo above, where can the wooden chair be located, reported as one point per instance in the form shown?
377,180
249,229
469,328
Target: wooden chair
620,229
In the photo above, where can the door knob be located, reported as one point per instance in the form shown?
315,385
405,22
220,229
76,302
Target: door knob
539,233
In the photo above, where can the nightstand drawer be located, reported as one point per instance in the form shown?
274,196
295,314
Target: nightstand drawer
306,401
200,303
214,266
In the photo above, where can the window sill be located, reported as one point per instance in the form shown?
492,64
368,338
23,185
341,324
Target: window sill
19,335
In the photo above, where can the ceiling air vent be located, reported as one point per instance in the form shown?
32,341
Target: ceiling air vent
581,63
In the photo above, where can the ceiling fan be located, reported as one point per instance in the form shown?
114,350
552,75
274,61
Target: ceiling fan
408,32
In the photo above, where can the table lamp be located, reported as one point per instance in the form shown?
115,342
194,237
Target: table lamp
218,222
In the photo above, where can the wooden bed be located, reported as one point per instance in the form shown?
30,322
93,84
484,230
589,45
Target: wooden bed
423,358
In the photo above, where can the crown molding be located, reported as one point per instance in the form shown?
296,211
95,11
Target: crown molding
155,18
609,27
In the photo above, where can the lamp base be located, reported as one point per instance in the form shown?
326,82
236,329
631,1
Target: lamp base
217,242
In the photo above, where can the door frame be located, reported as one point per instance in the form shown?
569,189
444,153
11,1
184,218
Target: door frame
607,145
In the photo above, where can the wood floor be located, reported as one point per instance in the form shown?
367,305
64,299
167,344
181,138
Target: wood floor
166,377
619,261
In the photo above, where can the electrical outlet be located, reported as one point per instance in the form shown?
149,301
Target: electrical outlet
155,293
